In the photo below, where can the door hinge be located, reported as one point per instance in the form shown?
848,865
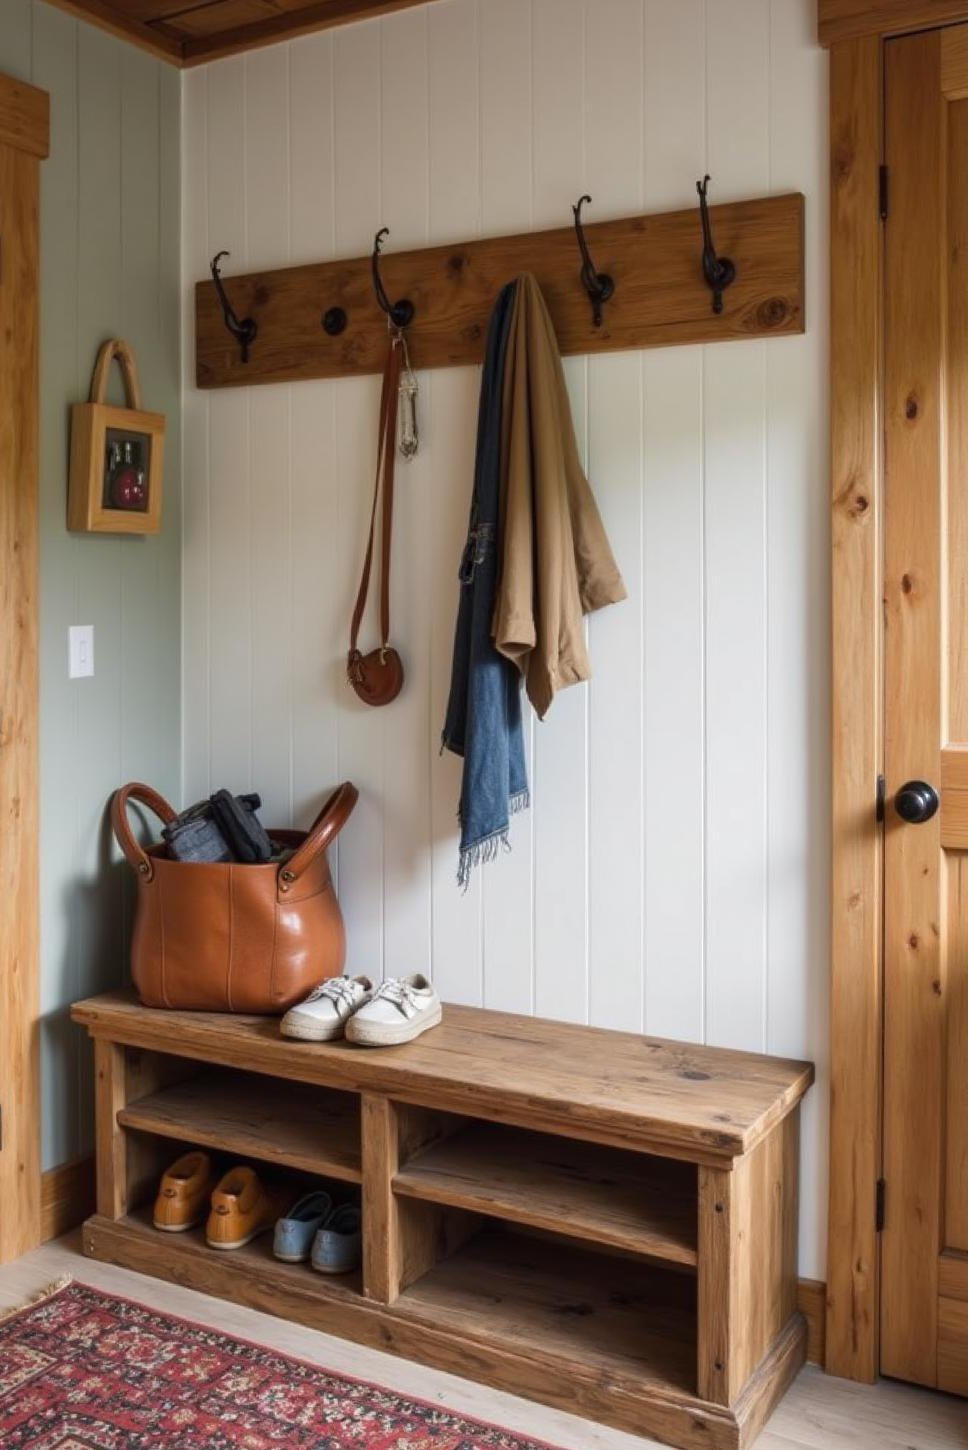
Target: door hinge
880,798
879,1204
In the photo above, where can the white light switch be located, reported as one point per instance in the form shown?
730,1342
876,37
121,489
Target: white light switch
80,651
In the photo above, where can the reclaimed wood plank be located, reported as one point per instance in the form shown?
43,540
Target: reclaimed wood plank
699,1101
661,298
316,1130
630,1201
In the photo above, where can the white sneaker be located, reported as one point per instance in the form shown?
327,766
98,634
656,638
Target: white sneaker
324,1013
399,1010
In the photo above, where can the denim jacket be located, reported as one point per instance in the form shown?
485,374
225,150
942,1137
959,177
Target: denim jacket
483,722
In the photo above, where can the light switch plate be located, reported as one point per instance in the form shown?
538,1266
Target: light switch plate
80,651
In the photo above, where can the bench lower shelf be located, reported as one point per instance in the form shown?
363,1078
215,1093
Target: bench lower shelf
496,1311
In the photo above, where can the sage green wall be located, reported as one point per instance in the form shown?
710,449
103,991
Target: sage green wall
110,267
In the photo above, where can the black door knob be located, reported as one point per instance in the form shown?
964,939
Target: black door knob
916,802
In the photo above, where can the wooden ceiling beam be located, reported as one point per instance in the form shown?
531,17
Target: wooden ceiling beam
840,20
287,25
173,29
116,22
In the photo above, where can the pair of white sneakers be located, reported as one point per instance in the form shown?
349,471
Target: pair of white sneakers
396,1011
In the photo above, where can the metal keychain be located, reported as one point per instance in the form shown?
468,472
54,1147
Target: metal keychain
408,436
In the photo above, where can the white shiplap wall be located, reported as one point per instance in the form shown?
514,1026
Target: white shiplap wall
671,874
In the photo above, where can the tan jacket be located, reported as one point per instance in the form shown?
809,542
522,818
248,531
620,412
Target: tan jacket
555,562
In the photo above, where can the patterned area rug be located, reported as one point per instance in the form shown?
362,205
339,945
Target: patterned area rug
82,1370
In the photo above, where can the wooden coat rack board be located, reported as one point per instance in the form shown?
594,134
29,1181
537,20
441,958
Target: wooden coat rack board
661,297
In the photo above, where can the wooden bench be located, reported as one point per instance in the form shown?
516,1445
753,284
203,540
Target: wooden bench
598,1220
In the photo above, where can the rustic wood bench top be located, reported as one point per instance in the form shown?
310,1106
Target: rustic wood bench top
701,1103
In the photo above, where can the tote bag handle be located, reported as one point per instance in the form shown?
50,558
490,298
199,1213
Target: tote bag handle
134,853
113,349
322,833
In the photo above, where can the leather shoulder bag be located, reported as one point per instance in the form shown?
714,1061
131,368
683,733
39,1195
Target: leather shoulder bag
225,937
377,677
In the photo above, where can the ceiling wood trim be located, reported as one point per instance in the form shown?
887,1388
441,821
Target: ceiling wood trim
110,18
840,20
322,15
195,31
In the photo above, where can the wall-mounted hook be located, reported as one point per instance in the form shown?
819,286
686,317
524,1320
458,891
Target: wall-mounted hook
245,331
719,272
400,313
599,285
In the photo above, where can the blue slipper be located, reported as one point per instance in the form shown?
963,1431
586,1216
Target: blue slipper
294,1234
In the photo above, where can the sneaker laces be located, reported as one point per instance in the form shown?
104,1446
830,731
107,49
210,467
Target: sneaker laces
400,993
338,989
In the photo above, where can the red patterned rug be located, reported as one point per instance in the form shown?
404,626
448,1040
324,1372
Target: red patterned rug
82,1370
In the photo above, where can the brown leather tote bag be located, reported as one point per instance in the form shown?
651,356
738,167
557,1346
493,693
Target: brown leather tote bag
231,938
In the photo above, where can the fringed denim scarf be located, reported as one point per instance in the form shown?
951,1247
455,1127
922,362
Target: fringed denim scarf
483,721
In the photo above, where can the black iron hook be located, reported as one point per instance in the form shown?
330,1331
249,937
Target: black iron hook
719,272
400,313
599,285
245,331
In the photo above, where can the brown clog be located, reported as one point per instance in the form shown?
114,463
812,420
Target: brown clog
242,1208
184,1193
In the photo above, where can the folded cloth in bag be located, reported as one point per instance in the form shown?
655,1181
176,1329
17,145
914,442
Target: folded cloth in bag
224,936
223,828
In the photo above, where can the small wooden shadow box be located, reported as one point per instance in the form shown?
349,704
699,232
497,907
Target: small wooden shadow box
117,456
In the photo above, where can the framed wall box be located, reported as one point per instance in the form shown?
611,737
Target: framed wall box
117,456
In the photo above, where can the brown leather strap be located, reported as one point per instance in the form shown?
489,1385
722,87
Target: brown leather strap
386,451
323,832
133,851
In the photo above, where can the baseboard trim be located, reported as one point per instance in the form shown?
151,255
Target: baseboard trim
67,1197
68,1193
812,1303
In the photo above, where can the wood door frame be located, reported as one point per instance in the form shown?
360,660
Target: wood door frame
24,141
856,31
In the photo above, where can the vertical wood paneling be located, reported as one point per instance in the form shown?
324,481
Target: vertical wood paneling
111,266
451,398
16,37
673,582
674,710
358,204
798,682
196,510
557,123
231,603
405,202
657,877
312,222
455,132
674,71
99,594
267,567
737,68
313,606
613,158
615,776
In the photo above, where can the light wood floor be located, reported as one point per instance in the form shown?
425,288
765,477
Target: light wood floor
818,1414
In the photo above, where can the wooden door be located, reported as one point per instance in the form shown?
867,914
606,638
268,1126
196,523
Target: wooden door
924,1298
23,143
